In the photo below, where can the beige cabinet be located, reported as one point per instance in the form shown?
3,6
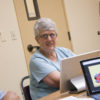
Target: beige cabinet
84,24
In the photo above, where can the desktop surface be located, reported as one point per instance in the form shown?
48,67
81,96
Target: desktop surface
57,95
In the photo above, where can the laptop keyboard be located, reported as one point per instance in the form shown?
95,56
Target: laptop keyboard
96,96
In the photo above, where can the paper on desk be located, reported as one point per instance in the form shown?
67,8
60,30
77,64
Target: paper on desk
75,98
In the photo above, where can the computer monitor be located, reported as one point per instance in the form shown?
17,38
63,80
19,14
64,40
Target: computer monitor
91,71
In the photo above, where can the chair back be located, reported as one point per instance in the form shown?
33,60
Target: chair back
25,88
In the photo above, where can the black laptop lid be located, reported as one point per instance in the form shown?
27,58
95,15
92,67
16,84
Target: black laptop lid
91,71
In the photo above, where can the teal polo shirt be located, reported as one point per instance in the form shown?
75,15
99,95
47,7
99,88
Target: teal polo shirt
40,66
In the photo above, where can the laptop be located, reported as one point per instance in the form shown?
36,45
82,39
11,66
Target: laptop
70,68
91,72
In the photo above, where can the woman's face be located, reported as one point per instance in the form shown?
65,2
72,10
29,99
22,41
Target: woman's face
47,40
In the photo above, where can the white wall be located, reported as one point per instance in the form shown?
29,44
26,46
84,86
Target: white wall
84,23
12,60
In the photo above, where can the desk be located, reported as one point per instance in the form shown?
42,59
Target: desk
56,95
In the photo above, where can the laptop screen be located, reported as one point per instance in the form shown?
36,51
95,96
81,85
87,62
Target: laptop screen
91,71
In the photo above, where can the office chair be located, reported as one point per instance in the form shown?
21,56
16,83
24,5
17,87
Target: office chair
25,89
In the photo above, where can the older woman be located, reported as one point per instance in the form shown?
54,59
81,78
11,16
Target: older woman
45,62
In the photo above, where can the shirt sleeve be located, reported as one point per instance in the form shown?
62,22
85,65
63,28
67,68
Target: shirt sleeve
39,68
2,94
68,52
65,51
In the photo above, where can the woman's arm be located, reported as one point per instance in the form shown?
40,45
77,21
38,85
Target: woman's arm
53,79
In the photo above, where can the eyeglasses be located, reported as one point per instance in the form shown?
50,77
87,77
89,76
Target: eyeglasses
45,36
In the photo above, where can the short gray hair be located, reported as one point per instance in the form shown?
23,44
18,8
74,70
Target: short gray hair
44,24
